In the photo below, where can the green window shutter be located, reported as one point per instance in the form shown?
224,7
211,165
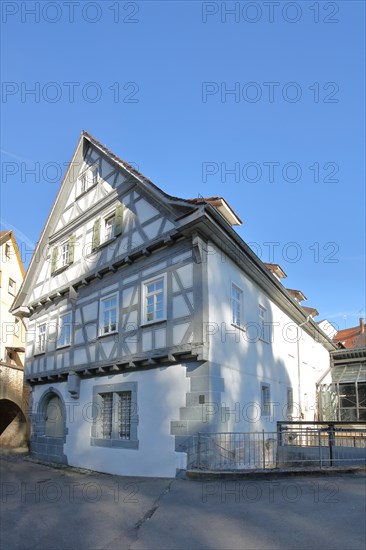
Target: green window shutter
54,259
118,219
96,233
71,249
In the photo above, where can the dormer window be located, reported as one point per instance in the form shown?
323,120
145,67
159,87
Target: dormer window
88,179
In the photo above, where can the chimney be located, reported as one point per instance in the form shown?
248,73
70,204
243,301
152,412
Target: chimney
362,325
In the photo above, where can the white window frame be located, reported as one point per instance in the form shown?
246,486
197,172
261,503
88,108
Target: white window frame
65,342
87,179
266,405
106,236
145,294
101,314
7,250
263,324
12,289
239,304
65,254
41,337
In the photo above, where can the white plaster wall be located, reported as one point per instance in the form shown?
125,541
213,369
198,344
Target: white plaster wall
247,361
161,392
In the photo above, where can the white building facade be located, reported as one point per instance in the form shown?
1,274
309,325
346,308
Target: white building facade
150,320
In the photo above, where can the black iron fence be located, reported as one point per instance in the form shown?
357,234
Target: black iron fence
294,444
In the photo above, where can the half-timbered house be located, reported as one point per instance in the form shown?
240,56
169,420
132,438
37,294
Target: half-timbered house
149,320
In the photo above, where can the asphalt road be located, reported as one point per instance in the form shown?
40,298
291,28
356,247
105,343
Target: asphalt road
49,508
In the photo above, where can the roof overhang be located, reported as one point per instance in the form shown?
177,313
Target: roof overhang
276,270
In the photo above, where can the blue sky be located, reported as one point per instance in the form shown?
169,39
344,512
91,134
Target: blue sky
152,81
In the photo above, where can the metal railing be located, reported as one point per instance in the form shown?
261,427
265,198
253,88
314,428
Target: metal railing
297,445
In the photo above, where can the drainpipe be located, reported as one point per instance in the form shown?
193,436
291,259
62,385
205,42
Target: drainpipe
301,415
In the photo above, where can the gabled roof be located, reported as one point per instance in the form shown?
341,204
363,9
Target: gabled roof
217,202
5,236
212,217
178,205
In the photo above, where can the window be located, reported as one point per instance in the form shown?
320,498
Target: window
263,325
64,337
65,249
12,287
87,179
109,225
290,402
236,306
116,404
107,414
115,416
154,300
41,338
265,400
7,250
352,401
63,255
108,314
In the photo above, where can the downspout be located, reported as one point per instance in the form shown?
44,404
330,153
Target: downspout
301,414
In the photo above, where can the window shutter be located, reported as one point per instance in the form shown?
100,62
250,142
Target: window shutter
96,233
54,259
118,221
71,249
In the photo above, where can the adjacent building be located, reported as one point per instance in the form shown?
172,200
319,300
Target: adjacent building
149,320
342,389
13,392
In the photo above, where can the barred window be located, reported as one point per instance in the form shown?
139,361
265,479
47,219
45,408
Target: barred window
115,415
107,414
124,415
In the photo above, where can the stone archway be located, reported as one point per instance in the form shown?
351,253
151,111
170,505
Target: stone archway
13,425
49,429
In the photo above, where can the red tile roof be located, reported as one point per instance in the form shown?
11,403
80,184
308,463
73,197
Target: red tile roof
351,337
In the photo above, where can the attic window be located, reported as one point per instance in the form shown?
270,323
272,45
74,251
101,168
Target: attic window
87,179
7,250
